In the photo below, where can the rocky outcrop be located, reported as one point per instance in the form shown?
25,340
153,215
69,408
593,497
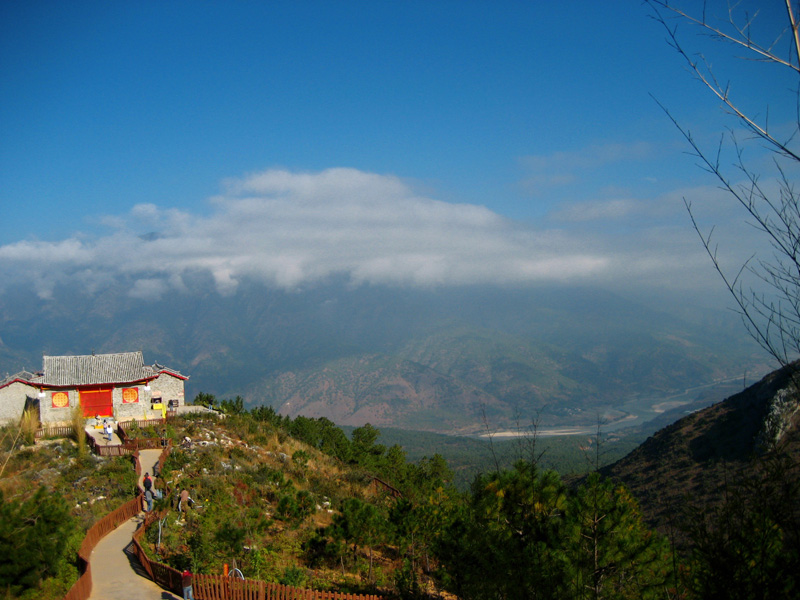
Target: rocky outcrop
692,460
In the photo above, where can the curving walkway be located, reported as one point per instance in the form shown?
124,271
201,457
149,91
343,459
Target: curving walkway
116,572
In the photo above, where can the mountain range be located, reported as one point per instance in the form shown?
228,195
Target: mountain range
443,360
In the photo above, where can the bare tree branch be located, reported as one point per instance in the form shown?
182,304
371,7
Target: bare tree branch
771,313
706,73
490,435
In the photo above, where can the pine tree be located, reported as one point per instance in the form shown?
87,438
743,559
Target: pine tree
360,524
34,535
613,554
506,543
748,546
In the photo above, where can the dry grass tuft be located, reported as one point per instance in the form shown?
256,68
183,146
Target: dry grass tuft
79,430
28,425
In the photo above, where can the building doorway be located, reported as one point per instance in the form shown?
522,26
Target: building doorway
97,402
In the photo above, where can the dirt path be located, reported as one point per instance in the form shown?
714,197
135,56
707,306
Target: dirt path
116,572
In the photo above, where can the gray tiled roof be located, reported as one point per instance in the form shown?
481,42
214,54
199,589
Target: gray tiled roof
21,376
94,369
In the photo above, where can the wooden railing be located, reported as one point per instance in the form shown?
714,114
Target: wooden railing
129,445
61,431
217,587
145,423
381,486
67,430
82,588
204,587
110,450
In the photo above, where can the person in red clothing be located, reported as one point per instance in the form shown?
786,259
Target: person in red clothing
186,581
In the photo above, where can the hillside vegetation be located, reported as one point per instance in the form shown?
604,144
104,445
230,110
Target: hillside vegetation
692,462
300,502
50,494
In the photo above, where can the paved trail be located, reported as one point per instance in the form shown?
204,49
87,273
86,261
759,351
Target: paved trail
116,572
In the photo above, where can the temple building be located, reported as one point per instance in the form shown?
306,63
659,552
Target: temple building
119,386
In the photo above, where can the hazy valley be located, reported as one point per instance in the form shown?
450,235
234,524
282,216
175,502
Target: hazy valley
437,360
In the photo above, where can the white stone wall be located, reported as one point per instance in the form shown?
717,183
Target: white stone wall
12,401
14,396
170,388
50,415
122,411
134,410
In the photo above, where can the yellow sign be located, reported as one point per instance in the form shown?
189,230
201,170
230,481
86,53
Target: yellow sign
60,399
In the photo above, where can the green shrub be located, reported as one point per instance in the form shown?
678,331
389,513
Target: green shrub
406,581
230,536
206,460
35,535
287,508
300,458
133,430
320,549
305,504
176,460
293,576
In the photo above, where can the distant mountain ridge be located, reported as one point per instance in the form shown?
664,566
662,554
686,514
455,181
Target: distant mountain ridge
379,389
423,359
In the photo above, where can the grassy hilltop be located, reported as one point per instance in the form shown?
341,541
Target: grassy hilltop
299,501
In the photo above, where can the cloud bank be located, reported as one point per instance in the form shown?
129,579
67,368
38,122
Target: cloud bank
291,229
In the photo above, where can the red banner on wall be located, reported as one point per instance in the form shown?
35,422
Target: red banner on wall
60,399
130,395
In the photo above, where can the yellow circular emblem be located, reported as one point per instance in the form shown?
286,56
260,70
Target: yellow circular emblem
60,399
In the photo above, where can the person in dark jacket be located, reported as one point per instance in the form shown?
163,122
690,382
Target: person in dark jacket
186,582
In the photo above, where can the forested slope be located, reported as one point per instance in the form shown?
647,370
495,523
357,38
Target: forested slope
298,501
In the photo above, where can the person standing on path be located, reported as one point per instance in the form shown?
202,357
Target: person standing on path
183,503
186,581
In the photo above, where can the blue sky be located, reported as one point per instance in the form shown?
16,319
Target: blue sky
422,143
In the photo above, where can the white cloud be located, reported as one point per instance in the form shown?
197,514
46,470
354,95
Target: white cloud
149,289
559,169
291,229
602,210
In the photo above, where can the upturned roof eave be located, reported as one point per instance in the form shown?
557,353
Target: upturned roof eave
61,386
